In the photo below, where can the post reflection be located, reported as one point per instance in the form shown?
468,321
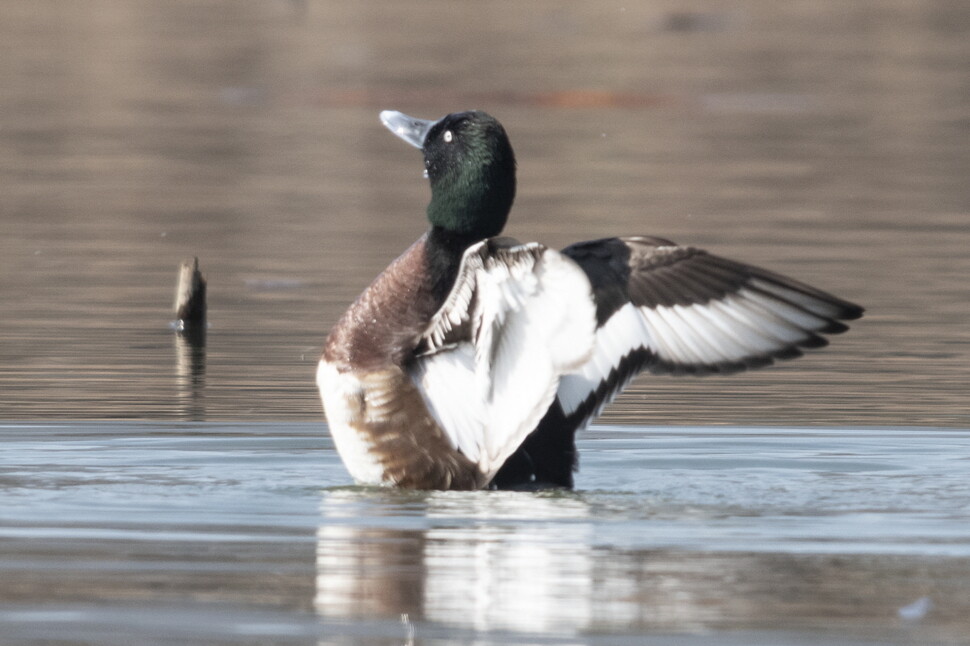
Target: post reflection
482,561
190,362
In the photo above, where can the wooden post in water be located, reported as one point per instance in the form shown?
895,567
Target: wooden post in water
190,328
190,298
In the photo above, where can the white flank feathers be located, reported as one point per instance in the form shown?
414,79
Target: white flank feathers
339,392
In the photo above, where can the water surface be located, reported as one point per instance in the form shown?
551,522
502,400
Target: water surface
242,532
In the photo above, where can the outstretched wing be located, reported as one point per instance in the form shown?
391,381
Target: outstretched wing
680,310
490,362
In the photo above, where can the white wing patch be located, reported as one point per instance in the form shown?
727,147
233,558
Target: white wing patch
515,322
736,329
623,333
459,412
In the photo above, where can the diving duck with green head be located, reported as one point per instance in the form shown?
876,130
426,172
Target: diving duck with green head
473,360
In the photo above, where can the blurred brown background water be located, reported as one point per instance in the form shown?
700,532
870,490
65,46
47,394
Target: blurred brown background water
825,140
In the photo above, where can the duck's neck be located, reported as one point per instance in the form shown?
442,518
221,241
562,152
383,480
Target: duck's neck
443,253
480,209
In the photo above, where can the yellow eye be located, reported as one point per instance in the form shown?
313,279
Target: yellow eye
448,136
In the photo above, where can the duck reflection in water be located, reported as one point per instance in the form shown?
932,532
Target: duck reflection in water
482,563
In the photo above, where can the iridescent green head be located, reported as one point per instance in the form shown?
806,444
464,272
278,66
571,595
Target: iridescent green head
471,166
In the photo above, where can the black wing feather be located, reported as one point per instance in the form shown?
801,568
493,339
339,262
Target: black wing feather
654,273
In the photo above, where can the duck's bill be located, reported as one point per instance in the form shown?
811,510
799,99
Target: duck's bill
412,130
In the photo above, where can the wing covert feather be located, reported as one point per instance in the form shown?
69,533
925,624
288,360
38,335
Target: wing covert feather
489,365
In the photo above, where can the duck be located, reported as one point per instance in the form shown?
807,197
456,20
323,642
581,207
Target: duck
472,360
